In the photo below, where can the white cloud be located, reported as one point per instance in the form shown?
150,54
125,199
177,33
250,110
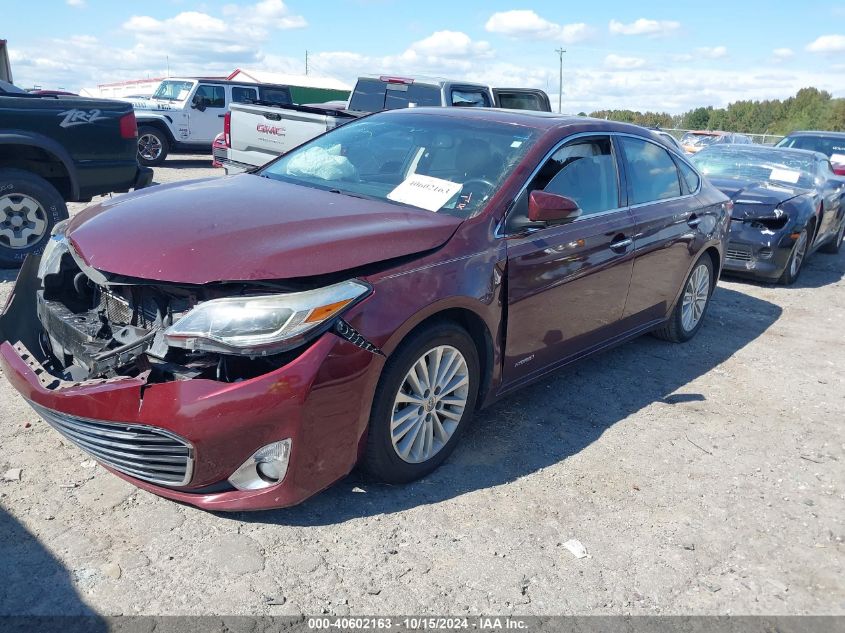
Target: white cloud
827,44
618,62
712,52
77,4
448,44
652,28
783,53
527,24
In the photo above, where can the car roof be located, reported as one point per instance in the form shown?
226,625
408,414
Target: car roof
430,80
539,120
817,133
227,82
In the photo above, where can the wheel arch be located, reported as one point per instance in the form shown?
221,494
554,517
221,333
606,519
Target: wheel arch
42,156
159,124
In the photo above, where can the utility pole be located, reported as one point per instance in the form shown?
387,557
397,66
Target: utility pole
306,62
560,51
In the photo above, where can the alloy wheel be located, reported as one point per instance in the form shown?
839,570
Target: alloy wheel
798,256
149,147
430,404
23,221
696,294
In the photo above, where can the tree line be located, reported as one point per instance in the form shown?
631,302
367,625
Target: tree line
809,109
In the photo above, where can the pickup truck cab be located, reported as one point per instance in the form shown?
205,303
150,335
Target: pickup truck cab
186,114
55,150
258,133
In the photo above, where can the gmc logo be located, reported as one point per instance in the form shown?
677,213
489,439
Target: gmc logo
269,129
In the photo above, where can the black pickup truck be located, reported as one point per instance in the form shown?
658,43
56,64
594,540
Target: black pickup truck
56,150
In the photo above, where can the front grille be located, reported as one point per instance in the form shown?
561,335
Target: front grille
143,452
738,254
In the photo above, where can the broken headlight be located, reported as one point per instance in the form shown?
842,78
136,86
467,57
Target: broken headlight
263,324
55,247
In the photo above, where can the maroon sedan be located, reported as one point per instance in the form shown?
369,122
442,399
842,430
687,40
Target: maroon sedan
244,342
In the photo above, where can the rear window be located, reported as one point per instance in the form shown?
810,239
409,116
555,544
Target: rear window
516,101
243,95
374,95
827,145
276,96
468,98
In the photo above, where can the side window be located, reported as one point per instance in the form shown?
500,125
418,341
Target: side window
243,95
469,98
584,170
652,174
690,177
215,96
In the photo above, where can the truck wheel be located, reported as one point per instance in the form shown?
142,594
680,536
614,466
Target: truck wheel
29,208
153,146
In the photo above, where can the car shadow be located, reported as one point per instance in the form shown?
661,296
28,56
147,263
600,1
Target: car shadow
555,418
187,163
36,591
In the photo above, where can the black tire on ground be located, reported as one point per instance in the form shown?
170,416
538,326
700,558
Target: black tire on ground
832,247
674,329
29,209
789,277
381,460
153,146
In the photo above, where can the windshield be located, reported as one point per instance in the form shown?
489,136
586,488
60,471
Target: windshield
173,90
699,140
833,147
432,162
766,164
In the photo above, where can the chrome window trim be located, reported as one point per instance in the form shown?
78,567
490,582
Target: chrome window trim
500,228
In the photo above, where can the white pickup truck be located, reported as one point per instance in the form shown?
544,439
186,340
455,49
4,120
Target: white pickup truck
186,114
257,133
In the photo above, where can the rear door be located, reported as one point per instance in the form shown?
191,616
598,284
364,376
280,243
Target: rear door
661,191
522,99
567,283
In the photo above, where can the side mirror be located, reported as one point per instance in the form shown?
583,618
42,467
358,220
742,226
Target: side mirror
198,103
550,207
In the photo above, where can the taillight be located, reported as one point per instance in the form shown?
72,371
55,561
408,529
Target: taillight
839,170
396,80
227,129
128,126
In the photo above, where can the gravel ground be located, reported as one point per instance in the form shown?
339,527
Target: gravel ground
703,478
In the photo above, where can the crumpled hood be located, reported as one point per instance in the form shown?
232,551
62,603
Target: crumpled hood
754,198
247,227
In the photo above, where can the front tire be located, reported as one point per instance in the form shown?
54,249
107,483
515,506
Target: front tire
688,315
29,209
422,404
794,264
153,146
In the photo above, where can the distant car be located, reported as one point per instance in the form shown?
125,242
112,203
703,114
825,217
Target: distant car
787,204
694,142
671,141
218,150
831,144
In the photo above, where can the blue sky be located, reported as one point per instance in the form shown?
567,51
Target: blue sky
642,55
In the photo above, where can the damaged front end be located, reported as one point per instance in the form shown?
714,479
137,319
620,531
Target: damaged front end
83,324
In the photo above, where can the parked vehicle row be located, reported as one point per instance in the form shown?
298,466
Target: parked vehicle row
356,300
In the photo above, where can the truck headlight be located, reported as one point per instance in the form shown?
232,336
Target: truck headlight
262,324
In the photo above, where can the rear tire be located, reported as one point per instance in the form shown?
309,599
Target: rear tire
691,308
795,263
832,247
29,209
153,146
410,433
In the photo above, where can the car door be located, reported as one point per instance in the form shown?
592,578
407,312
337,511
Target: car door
208,107
567,283
830,189
667,217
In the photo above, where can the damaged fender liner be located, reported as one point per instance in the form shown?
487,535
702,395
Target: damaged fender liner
350,334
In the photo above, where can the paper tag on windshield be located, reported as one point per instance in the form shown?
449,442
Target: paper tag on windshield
424,192
785,175
838,159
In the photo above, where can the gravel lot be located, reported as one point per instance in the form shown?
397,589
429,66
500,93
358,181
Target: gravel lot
703,478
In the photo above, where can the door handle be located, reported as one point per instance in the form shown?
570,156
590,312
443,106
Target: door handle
694,220
621,244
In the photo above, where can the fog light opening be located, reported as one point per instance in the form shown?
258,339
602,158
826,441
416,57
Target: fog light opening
266,467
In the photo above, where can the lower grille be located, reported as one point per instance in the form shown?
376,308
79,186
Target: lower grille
143,452
738,254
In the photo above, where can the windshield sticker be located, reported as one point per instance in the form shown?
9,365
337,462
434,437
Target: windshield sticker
839,159
785,175
516,144
183,94
424,192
